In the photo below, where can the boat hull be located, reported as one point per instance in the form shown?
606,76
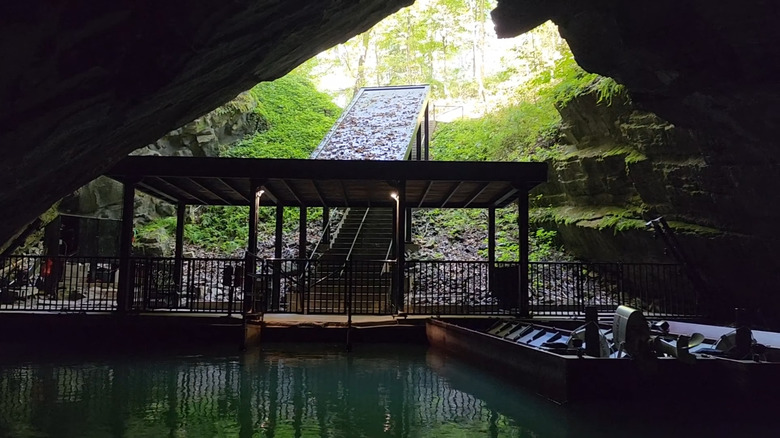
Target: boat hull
568,378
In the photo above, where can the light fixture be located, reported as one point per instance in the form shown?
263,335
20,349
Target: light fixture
394,195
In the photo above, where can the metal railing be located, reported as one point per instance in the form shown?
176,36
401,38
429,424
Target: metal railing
58,283
449,288
326,286
322,286
565,288
204,285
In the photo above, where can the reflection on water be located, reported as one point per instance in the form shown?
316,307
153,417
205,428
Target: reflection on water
385,390
381,390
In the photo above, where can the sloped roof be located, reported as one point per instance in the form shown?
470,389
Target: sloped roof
331,183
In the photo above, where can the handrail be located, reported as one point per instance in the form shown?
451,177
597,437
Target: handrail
335,232
357,234
340,270
327,226
385,267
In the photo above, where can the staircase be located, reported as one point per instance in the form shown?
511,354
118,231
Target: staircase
364,234
353,262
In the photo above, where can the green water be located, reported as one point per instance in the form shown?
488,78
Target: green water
303,391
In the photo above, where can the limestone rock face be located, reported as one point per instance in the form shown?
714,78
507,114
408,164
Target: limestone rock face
702,133
205,136
83,83
624,166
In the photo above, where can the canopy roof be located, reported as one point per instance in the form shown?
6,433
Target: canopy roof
331,183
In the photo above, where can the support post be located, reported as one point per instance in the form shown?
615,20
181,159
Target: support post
326,225
302,256
400,247
124,296
522,231
302,253
427,141
491,248
418,144
178,255
408,226
250,270
277,265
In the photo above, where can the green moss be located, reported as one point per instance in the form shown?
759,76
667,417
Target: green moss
523,132
297,115
683,227
630,154
616,218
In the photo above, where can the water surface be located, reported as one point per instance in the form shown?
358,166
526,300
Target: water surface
308,390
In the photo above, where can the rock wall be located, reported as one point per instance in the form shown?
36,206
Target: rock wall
708,72
83,83
622,167
205,136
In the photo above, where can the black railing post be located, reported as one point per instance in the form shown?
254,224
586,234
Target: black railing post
580,293
522,225
400,246
302,255
326,225
491,249
348,303
621,285
251,252
181,208
277,264
427,140
126,248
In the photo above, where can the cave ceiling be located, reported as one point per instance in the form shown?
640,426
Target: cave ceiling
84,83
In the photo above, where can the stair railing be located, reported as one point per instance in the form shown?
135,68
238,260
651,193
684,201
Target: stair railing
357,234
386,265
662,229
332,234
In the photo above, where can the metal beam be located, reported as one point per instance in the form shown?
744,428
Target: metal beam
503,197
181,190
368,170
267,193
475,194
318,193
344,191
292,191
211,192
157,193
235,189
451,193
425,193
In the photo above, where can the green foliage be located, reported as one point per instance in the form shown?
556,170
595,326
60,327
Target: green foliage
568,80
160,230
298,117
527,130
608,89
521,132
223,229
542,245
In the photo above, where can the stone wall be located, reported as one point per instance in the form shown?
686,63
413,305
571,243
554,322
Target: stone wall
623,166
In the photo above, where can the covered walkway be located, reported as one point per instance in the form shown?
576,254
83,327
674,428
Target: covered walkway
400,185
